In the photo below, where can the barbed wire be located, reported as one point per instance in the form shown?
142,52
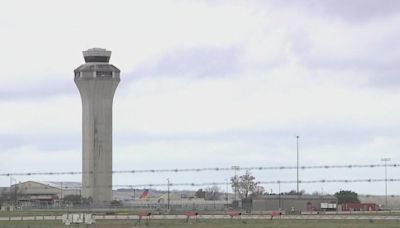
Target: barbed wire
261,182
193,184
233,168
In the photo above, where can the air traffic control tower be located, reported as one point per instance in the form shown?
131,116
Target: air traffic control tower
97,81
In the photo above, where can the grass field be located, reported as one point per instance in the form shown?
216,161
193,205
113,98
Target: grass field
213,224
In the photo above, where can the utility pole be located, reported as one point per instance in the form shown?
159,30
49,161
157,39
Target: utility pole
279,191
15,192
227,194
61,196
386,195
236,168
168,194
13,195
297,139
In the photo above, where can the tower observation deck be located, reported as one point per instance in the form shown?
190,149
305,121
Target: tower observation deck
97,81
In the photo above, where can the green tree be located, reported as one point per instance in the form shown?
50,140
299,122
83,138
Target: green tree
200,194
294,192
346,196
116,203
246,186
73,199
76,200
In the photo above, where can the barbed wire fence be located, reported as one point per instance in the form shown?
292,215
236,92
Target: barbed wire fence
193,184
261,182
233,168
222,169
199,184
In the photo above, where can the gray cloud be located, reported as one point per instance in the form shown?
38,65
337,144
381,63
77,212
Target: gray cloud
38,90
377,62
43,142
315,134
195,62
357,11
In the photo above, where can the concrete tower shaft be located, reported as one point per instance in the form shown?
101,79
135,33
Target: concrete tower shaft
97,81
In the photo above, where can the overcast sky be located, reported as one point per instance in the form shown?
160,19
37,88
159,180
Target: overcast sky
207,84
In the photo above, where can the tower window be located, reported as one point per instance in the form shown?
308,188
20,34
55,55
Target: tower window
103,74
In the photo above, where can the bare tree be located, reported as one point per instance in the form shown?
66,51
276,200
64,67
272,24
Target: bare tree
213,193
246,186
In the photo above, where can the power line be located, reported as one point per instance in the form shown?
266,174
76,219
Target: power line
235,168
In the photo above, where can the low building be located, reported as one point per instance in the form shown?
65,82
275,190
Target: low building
359,207
393,201
37,193
292,203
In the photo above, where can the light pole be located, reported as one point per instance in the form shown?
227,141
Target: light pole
13,180
386,198
279,191
61,196
297,140
227,194
168,194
